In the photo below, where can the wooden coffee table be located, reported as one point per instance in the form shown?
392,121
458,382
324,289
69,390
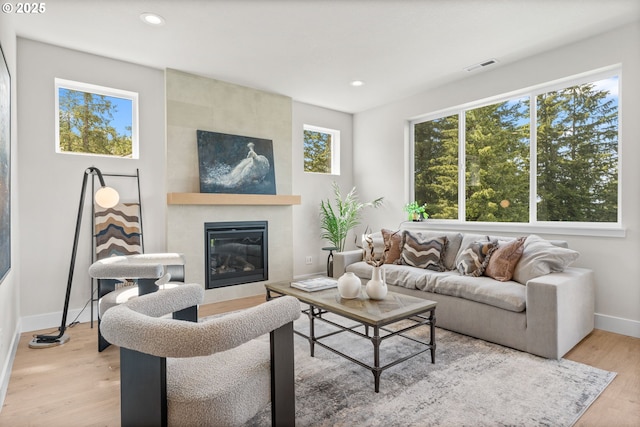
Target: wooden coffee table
372,314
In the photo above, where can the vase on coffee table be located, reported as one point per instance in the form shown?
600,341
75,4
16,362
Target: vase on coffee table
349,286
377,287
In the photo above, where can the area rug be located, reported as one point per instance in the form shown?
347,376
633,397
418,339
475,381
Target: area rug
472,383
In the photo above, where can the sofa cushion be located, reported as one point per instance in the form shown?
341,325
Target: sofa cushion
473,260
540,257
507,295
421,252
392,240
405,276
504,259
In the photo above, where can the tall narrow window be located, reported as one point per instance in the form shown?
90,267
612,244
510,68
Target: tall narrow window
321,150
577,150
436,166
96,120
497,162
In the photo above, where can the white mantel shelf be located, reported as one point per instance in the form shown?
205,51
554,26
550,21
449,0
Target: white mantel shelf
232,199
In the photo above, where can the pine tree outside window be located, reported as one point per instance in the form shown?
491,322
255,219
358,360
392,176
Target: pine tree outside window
321,150
547,155
95,120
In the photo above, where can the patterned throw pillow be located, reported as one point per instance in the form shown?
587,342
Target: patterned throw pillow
423,252
392,240
375,240
474,259
503,260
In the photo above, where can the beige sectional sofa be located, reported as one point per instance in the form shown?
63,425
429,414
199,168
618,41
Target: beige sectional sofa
546,307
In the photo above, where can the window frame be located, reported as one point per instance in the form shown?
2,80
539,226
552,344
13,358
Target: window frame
104,91
335,147
611,229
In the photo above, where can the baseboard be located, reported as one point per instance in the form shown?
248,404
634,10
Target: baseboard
53,320
5,374
617,325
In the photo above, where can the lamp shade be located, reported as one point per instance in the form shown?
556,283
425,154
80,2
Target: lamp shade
107,197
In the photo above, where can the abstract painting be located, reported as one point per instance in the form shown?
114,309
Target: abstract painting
5,168
235,164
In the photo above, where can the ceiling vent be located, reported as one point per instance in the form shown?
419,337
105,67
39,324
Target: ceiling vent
482,64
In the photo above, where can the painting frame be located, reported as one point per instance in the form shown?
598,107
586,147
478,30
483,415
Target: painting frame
235,164
5,168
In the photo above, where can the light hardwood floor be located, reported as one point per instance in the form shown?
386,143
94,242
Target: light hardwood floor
75,385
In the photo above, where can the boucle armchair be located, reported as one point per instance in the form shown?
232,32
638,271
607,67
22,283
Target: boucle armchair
211,373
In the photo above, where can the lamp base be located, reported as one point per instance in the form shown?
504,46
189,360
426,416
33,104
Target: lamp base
39,343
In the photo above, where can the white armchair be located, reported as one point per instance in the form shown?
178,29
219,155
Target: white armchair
212,373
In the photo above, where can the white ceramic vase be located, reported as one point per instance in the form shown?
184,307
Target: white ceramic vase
349,285
377,286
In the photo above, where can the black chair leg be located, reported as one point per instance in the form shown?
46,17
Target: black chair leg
283,402
143,389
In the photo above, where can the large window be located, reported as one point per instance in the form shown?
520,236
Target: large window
548,155
96,120
321,150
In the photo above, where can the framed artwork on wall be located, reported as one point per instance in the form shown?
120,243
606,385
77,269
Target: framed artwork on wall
5,168
235,164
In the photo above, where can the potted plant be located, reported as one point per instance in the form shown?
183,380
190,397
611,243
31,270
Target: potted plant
337,220
416,212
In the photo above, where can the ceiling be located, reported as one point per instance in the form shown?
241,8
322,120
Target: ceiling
311,50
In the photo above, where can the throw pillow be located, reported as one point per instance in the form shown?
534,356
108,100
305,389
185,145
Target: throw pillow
393,241
541,257
454,240
378,246
473,260
423,253
504,259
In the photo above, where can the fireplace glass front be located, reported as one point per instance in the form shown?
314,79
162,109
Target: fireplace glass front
235,253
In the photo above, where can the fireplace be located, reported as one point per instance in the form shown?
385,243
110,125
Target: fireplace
235,253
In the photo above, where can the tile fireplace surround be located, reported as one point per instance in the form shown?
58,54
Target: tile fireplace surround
198,103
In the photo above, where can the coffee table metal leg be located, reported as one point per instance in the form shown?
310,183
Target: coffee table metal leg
312,332
375,339
432,337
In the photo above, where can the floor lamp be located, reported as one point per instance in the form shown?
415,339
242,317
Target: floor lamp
105,197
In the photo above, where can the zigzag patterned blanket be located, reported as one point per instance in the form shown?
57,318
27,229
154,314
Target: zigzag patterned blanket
117,230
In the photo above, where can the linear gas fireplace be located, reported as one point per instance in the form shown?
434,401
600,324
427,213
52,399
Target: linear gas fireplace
235,253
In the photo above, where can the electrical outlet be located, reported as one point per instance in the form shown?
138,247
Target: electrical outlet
307,259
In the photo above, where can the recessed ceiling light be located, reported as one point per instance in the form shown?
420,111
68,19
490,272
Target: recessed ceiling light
152,19
357,83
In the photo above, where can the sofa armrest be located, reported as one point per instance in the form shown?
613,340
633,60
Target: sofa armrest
342,259
560,311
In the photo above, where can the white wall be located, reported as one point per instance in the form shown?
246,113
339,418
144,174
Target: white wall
380,142
315,187
9,289
50,183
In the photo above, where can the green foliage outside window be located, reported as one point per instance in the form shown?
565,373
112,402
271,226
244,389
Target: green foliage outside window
576,158
577,155
317,152
86,125
497,162
436,166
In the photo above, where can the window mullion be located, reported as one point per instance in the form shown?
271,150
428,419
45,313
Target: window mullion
462,184
533,161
